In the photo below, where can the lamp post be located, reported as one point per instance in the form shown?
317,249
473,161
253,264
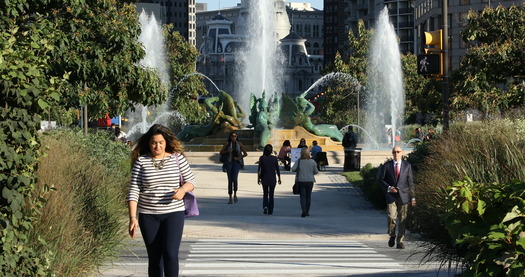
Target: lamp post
446,117
358,90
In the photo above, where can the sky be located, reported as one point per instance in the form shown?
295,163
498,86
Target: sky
214,4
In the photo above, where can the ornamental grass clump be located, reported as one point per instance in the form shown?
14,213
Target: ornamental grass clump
83,181
490,152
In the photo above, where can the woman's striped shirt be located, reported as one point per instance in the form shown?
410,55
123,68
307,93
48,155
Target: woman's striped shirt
153,188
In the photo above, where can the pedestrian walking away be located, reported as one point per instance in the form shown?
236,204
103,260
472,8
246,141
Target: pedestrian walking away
235,151
398,186
306,168
268,169
155,196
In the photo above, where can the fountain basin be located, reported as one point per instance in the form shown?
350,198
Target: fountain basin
335,158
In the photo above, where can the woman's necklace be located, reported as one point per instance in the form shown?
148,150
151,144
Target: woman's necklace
159,164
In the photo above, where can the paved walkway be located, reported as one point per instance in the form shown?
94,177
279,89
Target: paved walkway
339,216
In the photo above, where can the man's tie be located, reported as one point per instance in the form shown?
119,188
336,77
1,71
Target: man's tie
397,171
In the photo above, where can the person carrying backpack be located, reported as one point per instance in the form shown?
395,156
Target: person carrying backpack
350,138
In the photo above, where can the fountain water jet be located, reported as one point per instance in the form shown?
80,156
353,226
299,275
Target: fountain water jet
385,101
261,62
189,75
370,138
152,38
336,76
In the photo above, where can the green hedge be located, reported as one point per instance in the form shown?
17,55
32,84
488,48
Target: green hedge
366,180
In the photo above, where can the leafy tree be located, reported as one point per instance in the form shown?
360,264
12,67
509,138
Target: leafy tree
490,77
357,62
25,89
339,105
340,102
100,51
186,88
57,53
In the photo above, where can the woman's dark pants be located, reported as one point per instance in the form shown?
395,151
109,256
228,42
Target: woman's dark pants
305,192
268,192
162,234
232,169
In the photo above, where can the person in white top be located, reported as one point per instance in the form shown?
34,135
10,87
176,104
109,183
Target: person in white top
155,197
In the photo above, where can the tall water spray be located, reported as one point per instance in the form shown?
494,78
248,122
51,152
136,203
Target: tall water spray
261,62
152,39
385,101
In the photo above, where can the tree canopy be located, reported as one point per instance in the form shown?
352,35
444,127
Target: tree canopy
100,50
58,53
185,88
491,74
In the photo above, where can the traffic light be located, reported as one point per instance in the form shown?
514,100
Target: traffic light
432,44
434,39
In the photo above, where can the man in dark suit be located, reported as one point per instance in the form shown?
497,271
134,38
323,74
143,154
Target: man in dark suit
398,185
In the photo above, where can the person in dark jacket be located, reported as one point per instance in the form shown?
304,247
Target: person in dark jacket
268,169
350,138
235,150
398,185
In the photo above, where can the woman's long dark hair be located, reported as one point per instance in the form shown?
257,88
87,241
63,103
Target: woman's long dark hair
142,145
230,136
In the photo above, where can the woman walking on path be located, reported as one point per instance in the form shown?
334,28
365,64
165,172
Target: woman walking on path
235,150
306,168
156,194
268,167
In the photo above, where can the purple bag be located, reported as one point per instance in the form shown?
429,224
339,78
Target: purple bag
190,201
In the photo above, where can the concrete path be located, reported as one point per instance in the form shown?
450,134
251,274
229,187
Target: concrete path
344,235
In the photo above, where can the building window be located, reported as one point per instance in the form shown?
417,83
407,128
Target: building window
463,18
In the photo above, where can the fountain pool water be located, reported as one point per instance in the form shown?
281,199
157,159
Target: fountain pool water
385,100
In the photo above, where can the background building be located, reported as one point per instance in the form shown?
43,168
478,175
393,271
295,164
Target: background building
180,13
342,17
307,22
220,36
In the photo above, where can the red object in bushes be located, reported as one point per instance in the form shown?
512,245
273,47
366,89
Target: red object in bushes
104,122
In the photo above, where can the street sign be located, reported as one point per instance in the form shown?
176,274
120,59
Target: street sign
429,64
